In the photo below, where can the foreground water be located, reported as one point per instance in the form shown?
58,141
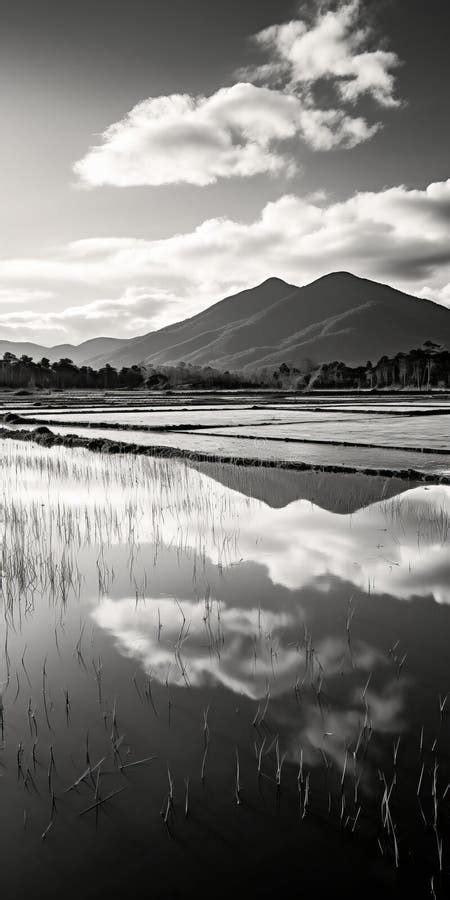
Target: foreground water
220,679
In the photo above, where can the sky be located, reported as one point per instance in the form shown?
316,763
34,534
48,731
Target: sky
158,155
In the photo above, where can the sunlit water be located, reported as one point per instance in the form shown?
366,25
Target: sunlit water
213,684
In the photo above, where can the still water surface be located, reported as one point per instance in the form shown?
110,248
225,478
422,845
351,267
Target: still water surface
220,679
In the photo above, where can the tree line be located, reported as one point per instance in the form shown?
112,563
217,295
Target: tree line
423,368
24,372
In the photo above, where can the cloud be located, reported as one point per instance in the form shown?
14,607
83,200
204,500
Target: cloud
236,132
12,296
179,138
241,130
333,47
324,129
134,311
398,235
440,295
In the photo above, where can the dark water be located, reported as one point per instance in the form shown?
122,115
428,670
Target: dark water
219,679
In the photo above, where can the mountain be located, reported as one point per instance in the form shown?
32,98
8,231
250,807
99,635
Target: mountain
80,354
337,317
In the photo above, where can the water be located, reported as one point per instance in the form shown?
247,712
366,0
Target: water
268,649
409,430
269,450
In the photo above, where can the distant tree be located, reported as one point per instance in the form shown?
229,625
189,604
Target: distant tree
66,372
64,363
108,376
431,349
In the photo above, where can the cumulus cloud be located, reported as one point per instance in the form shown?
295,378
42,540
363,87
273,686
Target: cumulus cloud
333,47
398,235
196,140
168,140
241,130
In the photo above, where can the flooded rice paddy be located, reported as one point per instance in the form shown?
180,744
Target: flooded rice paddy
370,434
217,678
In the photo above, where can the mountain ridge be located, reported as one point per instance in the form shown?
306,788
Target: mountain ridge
78,353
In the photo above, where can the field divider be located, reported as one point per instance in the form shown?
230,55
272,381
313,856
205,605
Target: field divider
48,439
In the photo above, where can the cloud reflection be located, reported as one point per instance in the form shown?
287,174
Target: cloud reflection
260,656
244,650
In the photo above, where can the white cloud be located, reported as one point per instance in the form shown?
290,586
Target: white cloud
134,311
241,130
168,140
397,235
324,129
441,295
196,140
334,47
12,296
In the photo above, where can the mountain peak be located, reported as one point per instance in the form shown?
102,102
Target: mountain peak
273,280
340,275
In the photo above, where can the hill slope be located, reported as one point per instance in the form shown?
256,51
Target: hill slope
339,316
80,354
